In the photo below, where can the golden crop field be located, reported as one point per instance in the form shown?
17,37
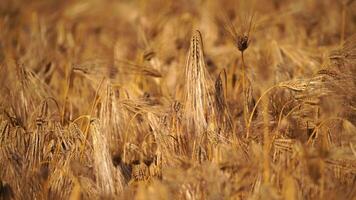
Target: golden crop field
178,99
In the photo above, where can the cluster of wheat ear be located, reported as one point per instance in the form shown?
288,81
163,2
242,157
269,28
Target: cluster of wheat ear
157,99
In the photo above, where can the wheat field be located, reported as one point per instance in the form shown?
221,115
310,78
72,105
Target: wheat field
178,99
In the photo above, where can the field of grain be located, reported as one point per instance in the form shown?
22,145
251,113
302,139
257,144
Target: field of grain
178,99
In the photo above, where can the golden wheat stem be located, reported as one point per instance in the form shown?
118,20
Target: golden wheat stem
343,23
81,117
281,112
266,142
313,134
95,102
68,78
255,107
245,109
289,113
128,124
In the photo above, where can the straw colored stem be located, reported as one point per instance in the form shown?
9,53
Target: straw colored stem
343,24
245,108
254,109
